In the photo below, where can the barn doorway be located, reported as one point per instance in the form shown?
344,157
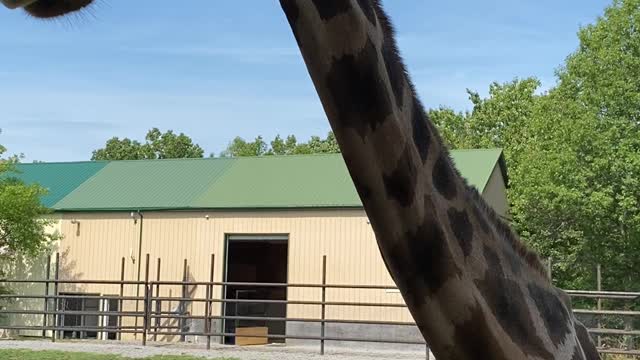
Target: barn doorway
256,259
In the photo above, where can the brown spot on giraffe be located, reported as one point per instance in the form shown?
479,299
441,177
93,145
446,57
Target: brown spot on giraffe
327,10
420,130
553,312
443,179
357,92
401,183
430,251
462,229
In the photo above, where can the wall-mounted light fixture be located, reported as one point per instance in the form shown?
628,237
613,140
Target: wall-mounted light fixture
134,217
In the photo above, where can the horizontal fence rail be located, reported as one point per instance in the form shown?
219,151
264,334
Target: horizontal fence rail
150,321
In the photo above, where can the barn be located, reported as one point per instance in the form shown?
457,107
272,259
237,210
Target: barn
270,219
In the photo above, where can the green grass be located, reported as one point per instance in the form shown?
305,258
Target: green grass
62,355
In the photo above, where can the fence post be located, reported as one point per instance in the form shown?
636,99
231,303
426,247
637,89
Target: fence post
147,303
599,288
182,305
549,271
120,302
207,304
324,294
55,299
158,304
46,299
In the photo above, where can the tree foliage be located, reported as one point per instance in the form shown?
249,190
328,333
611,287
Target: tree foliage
157,145
23,219
280,146
573,153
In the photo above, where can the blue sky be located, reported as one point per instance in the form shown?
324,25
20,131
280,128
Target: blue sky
218,69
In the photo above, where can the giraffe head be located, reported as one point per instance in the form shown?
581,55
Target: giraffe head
45,9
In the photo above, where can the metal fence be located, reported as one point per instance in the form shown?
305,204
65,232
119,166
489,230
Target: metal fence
151,320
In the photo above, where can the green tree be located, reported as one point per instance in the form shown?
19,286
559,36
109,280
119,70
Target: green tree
328,145
501,120
157,145
240,147
573,153
284,147
279,146
23,219
592,118
125,149
604,72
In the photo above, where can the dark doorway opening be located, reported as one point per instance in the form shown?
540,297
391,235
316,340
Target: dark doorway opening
256,259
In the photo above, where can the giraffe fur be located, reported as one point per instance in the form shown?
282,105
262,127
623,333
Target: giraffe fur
474,289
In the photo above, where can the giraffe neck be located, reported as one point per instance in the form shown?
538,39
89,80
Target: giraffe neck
472,288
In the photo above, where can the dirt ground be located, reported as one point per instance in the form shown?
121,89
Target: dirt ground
268,352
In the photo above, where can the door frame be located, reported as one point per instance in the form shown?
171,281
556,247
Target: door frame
247,237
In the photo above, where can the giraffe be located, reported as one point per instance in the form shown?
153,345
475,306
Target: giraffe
473,288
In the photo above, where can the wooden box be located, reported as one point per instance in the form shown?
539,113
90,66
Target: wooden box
258,336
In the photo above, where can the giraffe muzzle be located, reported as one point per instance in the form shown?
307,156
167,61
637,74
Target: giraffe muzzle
14,4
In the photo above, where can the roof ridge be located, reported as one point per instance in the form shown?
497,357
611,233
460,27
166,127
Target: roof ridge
477,149
64,162
219,158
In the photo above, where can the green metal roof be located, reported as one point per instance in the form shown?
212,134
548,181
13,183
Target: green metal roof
147,184
478,164
301,181
283,181
58,178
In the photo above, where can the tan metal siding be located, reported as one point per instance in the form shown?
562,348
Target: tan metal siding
343,235
31,270
495,193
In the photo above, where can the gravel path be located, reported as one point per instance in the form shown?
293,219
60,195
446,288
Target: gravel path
271,352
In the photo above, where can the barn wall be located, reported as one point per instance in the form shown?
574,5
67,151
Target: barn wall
94,244
495,192
30,269
93,248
